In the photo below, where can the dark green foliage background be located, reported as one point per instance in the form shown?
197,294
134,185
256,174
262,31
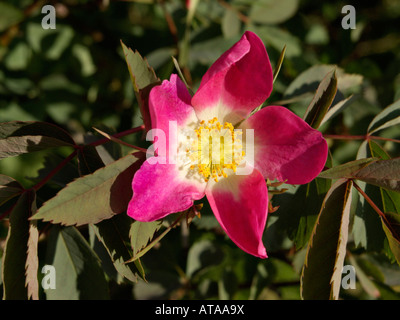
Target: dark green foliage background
76,77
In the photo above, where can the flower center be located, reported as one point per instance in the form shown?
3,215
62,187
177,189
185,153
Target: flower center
216,148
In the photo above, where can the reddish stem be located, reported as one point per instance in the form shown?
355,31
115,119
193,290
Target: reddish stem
117,135
345,137
375,207
360,137
55,170
369,200
384,139
5,214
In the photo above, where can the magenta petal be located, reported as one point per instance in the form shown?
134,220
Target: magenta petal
160,189
239,81
286,147
170,102
240,204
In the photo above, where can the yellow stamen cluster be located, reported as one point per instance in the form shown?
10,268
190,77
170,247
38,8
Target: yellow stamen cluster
215,149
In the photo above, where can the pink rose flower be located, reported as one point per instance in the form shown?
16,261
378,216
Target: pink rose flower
284,147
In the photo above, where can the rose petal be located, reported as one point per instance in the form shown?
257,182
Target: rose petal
240,204
170,103
285,146
161,189
239,81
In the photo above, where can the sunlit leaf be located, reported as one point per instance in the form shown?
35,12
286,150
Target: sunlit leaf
388,117
346,170
390,199
391,226
322,100
230,24
93,197
309,80
143,79
78,274
178,217
114,235
321,275
382,173
279,63
273,11
337,108
141,233
32,261
367,230
141,73
20,260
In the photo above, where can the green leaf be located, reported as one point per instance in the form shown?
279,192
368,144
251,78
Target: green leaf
382,173
390,199
178,68
278,38
227,284
94,197
114,235
19,137
346,170
308,81
364,278
388,117
143,80
78,271
32,261
230,24
141,233
337,108
279,63
9,188
321,275
201,254
141,73
322,100
367,230
151,244
9,16
298,212
273,11
19,272
391,227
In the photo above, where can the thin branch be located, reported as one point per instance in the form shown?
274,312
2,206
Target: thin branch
345,137
240,15
55,170
5,214
384,139
170,22
117,135
369,200
358,137
114,139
